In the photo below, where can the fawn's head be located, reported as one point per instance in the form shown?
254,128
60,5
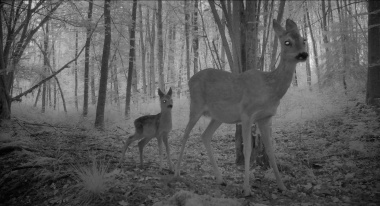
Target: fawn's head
166,101
292,43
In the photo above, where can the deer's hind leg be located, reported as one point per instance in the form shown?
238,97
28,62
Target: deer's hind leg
265,127
206,138
129,141
141,145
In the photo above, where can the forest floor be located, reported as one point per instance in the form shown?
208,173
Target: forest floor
329,160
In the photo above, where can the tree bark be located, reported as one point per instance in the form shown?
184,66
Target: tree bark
275,43
143,50
99,119
187,38
76,72
160,53
152,38
131,60
373,78
45,71
87,59
308,71
195,36
316,59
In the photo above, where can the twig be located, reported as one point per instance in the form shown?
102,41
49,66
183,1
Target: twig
24,127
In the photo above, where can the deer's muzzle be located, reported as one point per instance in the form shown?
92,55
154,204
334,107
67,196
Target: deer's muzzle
302,56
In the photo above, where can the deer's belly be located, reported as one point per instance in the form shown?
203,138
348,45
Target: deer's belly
224,112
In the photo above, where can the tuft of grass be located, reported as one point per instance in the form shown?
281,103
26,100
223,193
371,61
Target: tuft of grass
93,182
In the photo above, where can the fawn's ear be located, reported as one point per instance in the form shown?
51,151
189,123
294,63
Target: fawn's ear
160,93
170,92
291,25
278,28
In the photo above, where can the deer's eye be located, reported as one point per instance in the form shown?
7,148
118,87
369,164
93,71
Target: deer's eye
287,43
164,101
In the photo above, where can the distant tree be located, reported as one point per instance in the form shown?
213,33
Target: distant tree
160,52
99,119
87,59
373,79
195,36
187,37
132,32
20,29
76,72
143,50
152,37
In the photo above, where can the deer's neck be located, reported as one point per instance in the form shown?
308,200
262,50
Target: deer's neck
283,76
166,116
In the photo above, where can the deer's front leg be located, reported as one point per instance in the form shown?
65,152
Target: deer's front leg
165,139
247,141
265,127
159,140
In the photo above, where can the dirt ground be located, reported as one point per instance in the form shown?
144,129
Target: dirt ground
329,161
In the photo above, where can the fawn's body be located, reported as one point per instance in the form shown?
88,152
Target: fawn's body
246,98
149,126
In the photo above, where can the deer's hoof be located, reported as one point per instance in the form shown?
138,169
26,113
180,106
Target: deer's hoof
223,184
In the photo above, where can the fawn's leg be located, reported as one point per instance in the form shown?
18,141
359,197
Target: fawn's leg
159,141
194,117
141,145
265,127
206,138
165,139
126,145
247,141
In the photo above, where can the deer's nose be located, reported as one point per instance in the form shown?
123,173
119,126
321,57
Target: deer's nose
170,106
302,56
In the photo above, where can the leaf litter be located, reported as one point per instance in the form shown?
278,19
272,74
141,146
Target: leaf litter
330,160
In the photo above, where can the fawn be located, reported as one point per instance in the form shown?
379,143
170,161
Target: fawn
246,98
149,126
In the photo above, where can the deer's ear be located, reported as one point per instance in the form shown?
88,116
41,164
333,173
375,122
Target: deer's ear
278,28
291,25
170,91
160,93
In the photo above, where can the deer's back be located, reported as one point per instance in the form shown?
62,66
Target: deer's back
148,124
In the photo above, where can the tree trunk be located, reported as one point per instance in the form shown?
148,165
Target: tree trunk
87,59
308,71
248,53
316,59
160,53
265,34
143,50
187,38
152,38
195,36
116,86
171,53
131,60
45,70
76,72
54,82
99,120
344,62
275,43
373,78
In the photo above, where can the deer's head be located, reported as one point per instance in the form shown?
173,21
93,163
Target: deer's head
166,100
292,43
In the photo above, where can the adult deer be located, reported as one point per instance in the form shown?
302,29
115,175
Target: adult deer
250,97
150,126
